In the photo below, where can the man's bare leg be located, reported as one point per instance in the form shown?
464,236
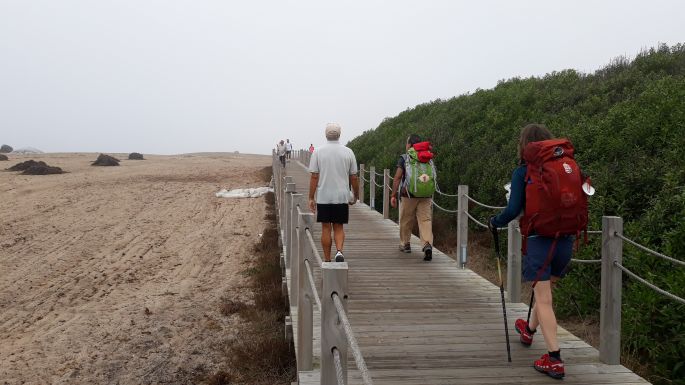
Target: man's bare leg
326,241
339,235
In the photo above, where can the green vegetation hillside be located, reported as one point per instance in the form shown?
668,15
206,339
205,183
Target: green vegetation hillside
627,122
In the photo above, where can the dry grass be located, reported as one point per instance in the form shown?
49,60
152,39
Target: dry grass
265,174
260,353
230,307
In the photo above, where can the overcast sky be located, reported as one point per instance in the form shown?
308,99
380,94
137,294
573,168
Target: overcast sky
171,77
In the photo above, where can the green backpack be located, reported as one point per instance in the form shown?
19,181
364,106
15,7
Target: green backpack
419,178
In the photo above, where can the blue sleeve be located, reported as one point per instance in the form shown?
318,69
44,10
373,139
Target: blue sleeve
517,198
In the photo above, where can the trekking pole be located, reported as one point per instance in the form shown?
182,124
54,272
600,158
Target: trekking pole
530,305
495,235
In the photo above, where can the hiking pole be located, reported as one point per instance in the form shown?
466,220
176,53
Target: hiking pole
530,305
495,235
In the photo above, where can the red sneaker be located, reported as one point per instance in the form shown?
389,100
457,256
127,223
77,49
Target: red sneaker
550,366
521,328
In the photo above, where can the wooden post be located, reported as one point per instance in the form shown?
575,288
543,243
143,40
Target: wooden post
462,225
281,215
332,332
289,190
386,194
513,262
293,262
305,302
372,187
610,303
361,183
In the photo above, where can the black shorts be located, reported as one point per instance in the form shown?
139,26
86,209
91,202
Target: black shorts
332,213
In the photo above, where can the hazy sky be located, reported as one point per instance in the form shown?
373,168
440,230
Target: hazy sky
168,76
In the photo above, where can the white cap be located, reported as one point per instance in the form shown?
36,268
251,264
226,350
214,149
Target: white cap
332,131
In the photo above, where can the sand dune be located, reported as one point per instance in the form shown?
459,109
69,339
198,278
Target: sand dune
112,275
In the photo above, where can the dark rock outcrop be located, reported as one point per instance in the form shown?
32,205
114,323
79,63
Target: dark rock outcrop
106,160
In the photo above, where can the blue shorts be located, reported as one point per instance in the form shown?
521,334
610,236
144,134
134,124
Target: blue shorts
537,250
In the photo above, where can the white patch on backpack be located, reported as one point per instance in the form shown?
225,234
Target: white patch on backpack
567,168
424,178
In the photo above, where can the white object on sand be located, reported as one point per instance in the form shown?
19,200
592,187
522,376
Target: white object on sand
27,151
244,192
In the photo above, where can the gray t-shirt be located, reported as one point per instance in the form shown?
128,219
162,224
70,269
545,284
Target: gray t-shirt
334,163
281,149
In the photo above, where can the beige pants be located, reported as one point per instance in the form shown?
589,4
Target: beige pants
420,209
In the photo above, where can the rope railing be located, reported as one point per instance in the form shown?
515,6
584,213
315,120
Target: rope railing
356,352
364,179
481,224
310,238
484,205
437,189
377,184
340,378
312,284
444,209
586,260
650,251
649,285
476,221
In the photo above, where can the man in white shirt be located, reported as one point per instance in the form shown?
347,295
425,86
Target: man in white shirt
288,148
280,150
334,170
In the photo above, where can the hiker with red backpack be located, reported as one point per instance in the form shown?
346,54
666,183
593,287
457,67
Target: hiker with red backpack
546,188
414,183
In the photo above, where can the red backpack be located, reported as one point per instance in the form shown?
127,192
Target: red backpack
423,151
555,202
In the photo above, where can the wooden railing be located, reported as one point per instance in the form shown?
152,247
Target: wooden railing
302,258
611,260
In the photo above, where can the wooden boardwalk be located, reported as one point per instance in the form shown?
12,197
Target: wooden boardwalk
434,323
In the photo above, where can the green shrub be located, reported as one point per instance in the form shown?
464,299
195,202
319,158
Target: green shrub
627,122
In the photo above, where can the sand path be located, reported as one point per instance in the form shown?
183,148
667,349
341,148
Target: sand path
113,275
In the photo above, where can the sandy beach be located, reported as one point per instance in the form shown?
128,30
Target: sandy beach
113,275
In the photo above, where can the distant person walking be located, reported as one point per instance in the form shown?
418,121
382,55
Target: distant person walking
311,148
288,148
281,150
333,170
414,184
549,245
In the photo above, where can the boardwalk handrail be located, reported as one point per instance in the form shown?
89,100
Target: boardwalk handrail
312,284
444,209
300,250
484,205
312,244
650,251
339,376
358,358
649,285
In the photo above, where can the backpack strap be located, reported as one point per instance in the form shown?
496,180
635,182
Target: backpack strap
550,254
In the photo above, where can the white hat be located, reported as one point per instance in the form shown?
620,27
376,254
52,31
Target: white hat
332,130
